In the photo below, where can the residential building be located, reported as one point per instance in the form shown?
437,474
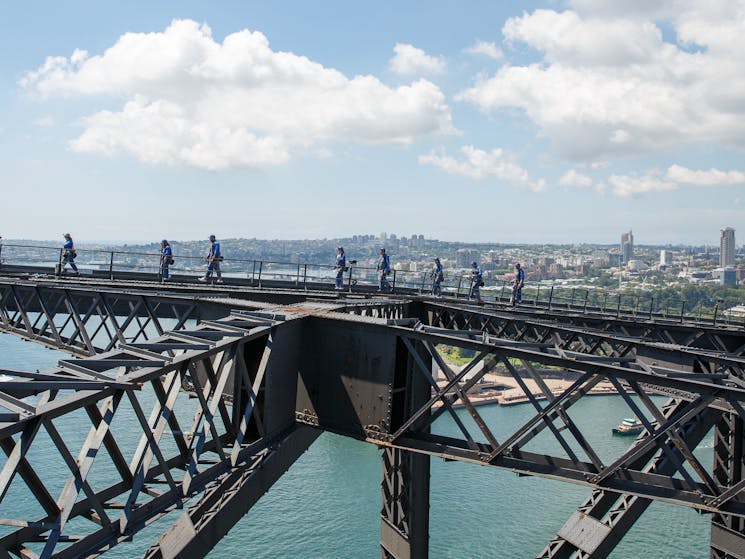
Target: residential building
727,247
627,247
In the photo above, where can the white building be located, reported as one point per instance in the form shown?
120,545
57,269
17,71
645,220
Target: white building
727,247
637,266
627,247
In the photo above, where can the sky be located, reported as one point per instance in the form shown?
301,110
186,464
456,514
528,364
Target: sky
538,122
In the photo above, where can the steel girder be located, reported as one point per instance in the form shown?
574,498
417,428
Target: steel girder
223,435
721,338
481,445
202,525
404,527
607,516
600,522
727,539
84,322
601,342
652,468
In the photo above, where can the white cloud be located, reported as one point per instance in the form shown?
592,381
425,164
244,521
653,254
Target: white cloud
620,136
630,185
410,60
607,83
573,178
628,8
568,39
485,48
44,121
674,178
478,164
191,100
162,132
712,177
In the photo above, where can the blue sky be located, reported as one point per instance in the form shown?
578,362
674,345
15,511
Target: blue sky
482,121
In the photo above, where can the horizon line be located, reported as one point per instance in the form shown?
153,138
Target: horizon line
350,238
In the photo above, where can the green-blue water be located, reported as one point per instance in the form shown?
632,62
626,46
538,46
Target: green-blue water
328,504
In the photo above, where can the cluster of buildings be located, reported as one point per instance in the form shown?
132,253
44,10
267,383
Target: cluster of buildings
580,264
721,267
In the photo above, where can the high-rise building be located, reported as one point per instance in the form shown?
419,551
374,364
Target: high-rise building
727,247
627,247
417,241
464,257
666,258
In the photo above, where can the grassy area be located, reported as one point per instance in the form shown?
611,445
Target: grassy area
455,355
459,361
460,356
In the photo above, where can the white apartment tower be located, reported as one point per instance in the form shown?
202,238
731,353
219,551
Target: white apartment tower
627,247
727,247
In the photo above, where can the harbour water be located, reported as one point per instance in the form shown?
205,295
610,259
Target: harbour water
328,504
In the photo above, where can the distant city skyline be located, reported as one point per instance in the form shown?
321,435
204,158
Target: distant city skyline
556,121
393,237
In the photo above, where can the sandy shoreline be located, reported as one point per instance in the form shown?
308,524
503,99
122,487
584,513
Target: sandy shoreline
505,390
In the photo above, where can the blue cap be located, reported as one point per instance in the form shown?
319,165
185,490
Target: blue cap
164,241
517,264
211,236
474,263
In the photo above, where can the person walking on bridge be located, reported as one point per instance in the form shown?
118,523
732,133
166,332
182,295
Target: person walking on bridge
477,281
166,259
384,268
517,285
340,267
69,255
437,278
213,261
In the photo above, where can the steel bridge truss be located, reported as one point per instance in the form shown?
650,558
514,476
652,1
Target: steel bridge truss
85,321
661,465
142,387
688,346
539,325
224,399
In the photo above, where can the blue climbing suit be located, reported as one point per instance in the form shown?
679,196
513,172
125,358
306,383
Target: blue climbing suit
477,277
214,258
166,256
437,278
341,263
67,257
384,268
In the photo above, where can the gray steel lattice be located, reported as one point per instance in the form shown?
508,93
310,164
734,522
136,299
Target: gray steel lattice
261,371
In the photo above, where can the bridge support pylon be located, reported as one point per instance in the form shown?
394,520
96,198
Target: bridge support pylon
404,524
728,531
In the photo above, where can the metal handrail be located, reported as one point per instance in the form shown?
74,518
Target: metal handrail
456,285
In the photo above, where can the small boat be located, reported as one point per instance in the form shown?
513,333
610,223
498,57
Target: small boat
629,427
